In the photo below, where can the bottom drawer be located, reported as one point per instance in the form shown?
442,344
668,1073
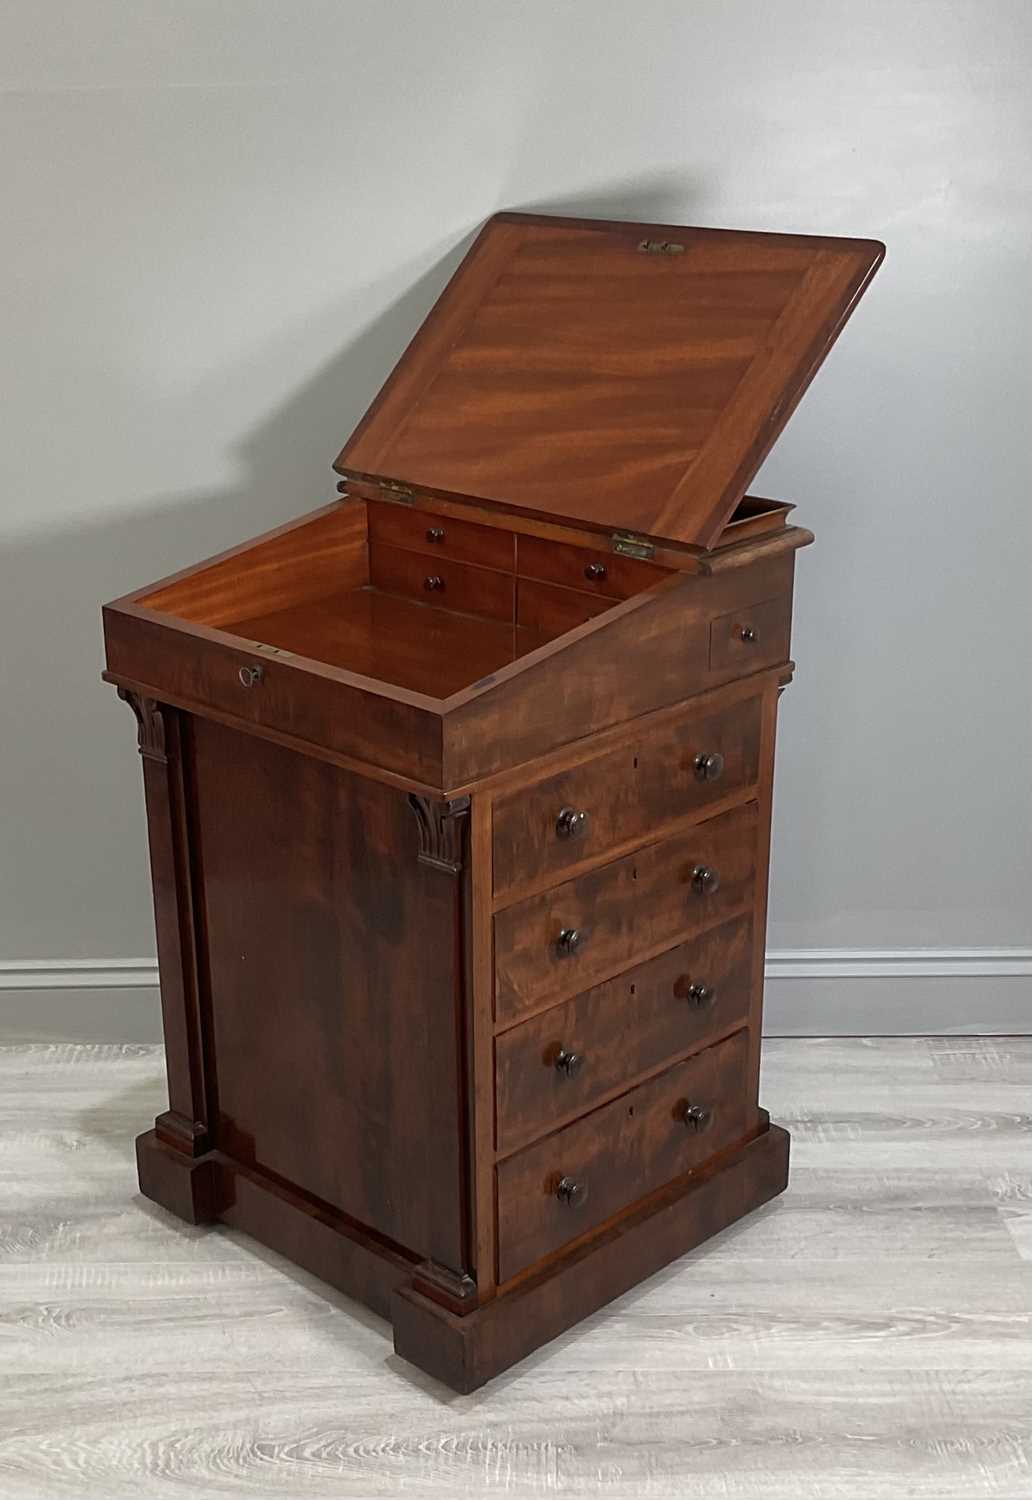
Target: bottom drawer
604,1162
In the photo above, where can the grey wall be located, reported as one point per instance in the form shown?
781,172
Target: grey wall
222,221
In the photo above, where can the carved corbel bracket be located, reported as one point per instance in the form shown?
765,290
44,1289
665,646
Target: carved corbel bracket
150,725
442,827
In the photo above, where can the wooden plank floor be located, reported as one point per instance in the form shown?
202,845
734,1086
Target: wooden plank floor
868,1335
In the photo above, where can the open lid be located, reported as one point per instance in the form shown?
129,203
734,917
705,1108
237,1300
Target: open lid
627,377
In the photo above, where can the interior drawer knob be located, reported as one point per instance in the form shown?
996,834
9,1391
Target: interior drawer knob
435,534
697,1117
595,571
700,996
251,676
705,880
571,822
709,767
568,1064
569,941
571,1192
747,634
434,583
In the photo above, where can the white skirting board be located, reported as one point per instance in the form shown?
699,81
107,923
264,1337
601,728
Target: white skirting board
809,992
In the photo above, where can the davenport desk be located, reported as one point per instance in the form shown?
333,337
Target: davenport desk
458,793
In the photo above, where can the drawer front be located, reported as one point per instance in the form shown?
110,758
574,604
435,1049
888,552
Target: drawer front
543,830
565,940
458,541
564,1062
582,1175
751,638
436,580
550,610
597,571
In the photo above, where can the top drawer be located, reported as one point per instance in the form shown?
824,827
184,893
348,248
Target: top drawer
440,536
598,572
546,829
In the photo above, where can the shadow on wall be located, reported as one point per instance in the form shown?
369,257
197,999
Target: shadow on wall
73,871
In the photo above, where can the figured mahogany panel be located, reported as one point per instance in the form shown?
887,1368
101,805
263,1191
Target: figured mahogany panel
302,561
334,961
630,376
562,1063
581,932
645,653
395,640
585,1173
632,792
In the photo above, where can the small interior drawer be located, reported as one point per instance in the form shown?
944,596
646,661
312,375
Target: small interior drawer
562,1063
751,638
598,571
584,1174
561,942
550,610
422,531
679,768
439,581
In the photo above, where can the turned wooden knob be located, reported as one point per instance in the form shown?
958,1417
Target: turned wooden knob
571,1192
434,583
709,767
570,823
705,880
697,1117
568,941
568,1064
435,534
596,571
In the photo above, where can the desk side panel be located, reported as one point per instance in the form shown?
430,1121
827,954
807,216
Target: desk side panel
332,976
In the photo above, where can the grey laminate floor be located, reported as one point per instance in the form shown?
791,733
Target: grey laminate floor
868,1335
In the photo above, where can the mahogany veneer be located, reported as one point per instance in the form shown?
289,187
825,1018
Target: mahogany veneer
458,795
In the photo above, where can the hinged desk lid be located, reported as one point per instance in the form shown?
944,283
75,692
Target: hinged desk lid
619,376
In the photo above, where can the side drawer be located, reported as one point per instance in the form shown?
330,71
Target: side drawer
543,830
436,580
579,933
564,1062
582,1175
751,638
456,541
598,571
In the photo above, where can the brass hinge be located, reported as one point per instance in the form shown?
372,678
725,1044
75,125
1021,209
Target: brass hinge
399,491
631,546
660,247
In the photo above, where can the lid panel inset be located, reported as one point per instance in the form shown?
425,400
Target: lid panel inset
572,373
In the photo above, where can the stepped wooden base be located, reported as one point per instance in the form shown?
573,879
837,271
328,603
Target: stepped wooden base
466,1350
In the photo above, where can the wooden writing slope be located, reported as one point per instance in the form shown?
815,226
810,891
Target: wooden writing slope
459,790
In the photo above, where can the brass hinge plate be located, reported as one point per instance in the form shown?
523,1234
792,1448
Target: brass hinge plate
660,247
631,546
395,490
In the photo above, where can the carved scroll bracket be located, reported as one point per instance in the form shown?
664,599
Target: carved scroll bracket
150,725
442,827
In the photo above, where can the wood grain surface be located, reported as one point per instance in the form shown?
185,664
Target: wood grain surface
868,1336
